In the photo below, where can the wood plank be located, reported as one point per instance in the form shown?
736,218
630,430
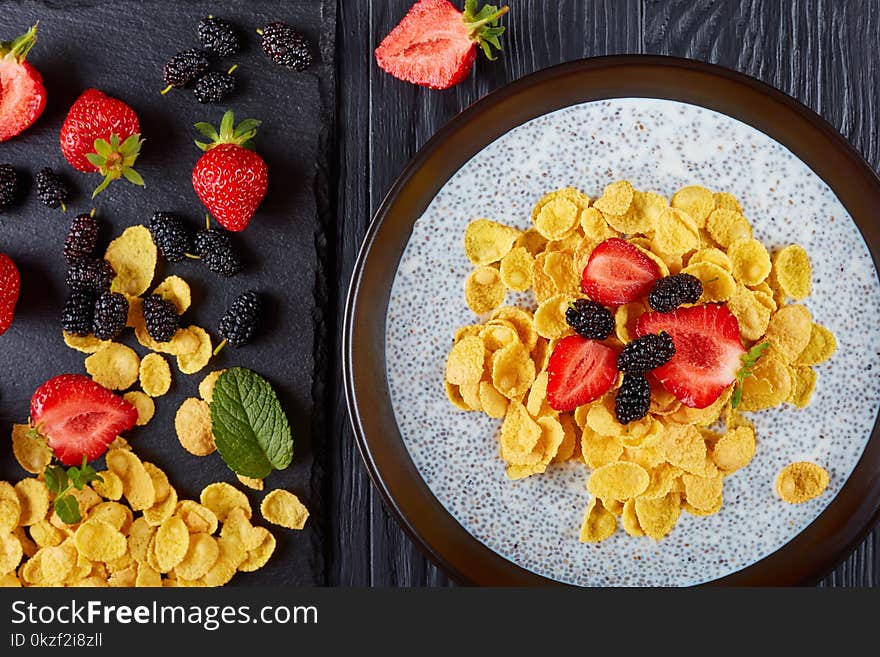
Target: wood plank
404,117
821,52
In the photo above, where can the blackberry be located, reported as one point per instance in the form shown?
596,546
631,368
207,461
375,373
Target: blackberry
76,316
90,274
669,293
285,46
239,322
218,36
183,68
172,236
590,319
111,314
646,353
51,189
9,182
160,317
213,87
633,398
214,247
82,238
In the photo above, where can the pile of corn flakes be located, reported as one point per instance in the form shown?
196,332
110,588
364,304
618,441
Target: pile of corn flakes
676,457
135,531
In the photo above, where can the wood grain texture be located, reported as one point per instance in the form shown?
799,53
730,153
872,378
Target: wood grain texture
822,52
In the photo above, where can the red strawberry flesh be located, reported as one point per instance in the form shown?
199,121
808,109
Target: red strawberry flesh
10,285
22,93
618,273
708,351
79,417
579,371
431,46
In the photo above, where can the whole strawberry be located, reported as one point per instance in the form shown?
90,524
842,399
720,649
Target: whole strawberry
102,134
10,284
230,178
22,94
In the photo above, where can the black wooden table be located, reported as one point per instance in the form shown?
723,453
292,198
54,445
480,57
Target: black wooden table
822,52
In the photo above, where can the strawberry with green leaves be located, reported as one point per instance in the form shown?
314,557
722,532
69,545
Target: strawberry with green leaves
435,45
230,178
101,134
22,93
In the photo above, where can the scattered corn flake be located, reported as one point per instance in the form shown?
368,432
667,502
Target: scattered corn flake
649,207
33,501
550,319
283,508
752,315
193,361
625,318
601,418
143,403
493,403
10,513
32,454
684,447
232,555
616,199
497,334
137,485
727,226
820,347
88,344
697,201
206,387
793,272
155,375
521,320
10,580
43,533
727,201
768,386
536,401
519,436
221,498
114,514
516,269
171,543
147,577
11,553
453,394
734,450
662,479
803,383
202,553
175,290
675,234
115,366
568,448
598,450
629,520
465,361
259,556
621,481
658,516
470,393
57,563
594,226
133,257
658,260
193,426
558,213
713,256
645,432
120,443
532,241
749,260
702,493
513,371
599,523
560,268
718,284
789,331
97,540
250,482
487,241
198,518
140,536
483,290
800,482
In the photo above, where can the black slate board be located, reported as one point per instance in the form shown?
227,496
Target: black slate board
119,47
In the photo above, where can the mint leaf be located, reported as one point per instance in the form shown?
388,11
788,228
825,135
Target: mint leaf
67,509
82,475
250,428
749,361
56,478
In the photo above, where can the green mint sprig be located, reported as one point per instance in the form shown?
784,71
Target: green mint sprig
61,482
749,362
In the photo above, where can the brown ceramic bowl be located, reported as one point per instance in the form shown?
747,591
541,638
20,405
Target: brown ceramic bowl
813,552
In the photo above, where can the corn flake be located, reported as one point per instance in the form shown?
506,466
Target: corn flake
734,450
206,387
513,371
133,257
137,485
750,262
516,269
697,201
803,383
550,319
658,516
221,498
727,226
789,331
532,241
176,291
190,362
201,554
143,403
487,241
193,426
793,272
114,367
33,501
820,347
599,523
558,213
88,344
675,234
32,454
98,540
483,290
283,508
800,482
155,375
768,386
618,481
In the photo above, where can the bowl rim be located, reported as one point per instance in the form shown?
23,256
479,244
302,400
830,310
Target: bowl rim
808,556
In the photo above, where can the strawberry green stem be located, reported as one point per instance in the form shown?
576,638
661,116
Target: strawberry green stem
115,160
476,25
20,46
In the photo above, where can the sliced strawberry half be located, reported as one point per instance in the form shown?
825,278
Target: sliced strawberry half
435,44
78,417
579,371
708,351
618,273
22,93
